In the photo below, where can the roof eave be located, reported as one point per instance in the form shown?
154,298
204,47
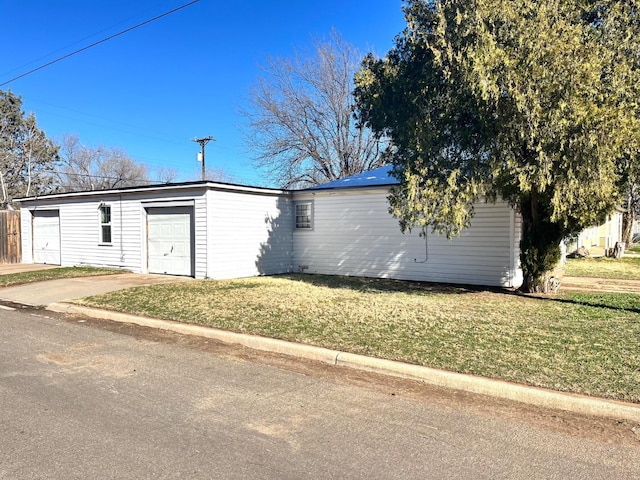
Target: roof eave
164,187
347,187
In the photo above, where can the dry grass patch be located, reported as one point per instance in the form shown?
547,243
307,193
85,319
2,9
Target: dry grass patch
578,344
53,274
625,268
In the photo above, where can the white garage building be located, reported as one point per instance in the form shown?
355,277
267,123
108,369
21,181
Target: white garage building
200,229
216,230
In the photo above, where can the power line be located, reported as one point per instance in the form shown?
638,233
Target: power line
99,42
67,47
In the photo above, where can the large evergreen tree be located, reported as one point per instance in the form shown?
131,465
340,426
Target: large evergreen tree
527,100
27,157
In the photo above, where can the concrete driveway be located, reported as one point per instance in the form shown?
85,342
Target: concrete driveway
52,291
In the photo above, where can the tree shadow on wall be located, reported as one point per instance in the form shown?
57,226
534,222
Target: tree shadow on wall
276,253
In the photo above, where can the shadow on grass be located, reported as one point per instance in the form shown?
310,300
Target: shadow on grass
626,302
384,285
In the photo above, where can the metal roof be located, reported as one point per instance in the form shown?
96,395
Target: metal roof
371,178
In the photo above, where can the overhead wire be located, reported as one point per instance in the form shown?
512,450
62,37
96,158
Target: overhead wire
110,37
161,137
67,47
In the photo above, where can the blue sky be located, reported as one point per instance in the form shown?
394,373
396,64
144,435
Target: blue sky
186,75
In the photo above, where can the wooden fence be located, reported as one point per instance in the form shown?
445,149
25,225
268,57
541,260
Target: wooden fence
10,245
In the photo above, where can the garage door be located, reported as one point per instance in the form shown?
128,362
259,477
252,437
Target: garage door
169,240
46,237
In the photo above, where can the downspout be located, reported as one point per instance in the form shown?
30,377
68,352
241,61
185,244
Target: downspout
121,232
205,252
512,254
426,249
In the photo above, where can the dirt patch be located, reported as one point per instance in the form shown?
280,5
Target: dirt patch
594,285
87,356
55,358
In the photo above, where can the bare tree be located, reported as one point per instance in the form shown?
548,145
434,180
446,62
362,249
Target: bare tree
219,175
301,124
213,174
164,175
87,168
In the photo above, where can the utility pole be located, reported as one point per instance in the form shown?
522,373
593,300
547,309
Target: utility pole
203,141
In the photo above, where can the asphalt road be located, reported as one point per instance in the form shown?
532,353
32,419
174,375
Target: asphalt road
86,399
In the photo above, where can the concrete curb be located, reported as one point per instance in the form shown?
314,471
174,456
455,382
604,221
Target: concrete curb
469,383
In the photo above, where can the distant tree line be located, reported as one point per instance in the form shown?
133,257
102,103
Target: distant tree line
32,164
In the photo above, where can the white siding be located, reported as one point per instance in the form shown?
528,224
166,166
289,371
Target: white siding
353,234
80,228
248,234
26,235
241,232
516,269
80,232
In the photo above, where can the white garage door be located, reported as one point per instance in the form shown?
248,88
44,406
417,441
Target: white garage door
46,237
169,240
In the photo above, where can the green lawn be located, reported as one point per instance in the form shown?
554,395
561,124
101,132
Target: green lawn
573,342
625,268
53,274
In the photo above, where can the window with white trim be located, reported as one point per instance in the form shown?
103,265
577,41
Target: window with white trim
304,215
105,223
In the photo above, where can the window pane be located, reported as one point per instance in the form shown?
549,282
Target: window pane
303,215
105,214
106,234
105,224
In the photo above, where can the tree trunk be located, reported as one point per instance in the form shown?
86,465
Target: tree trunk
629,215
3,202
627,227
539,248
547,282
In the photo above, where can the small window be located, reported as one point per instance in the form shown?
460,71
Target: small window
105,224
303,215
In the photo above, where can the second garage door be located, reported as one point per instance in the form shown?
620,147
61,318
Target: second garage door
170,240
